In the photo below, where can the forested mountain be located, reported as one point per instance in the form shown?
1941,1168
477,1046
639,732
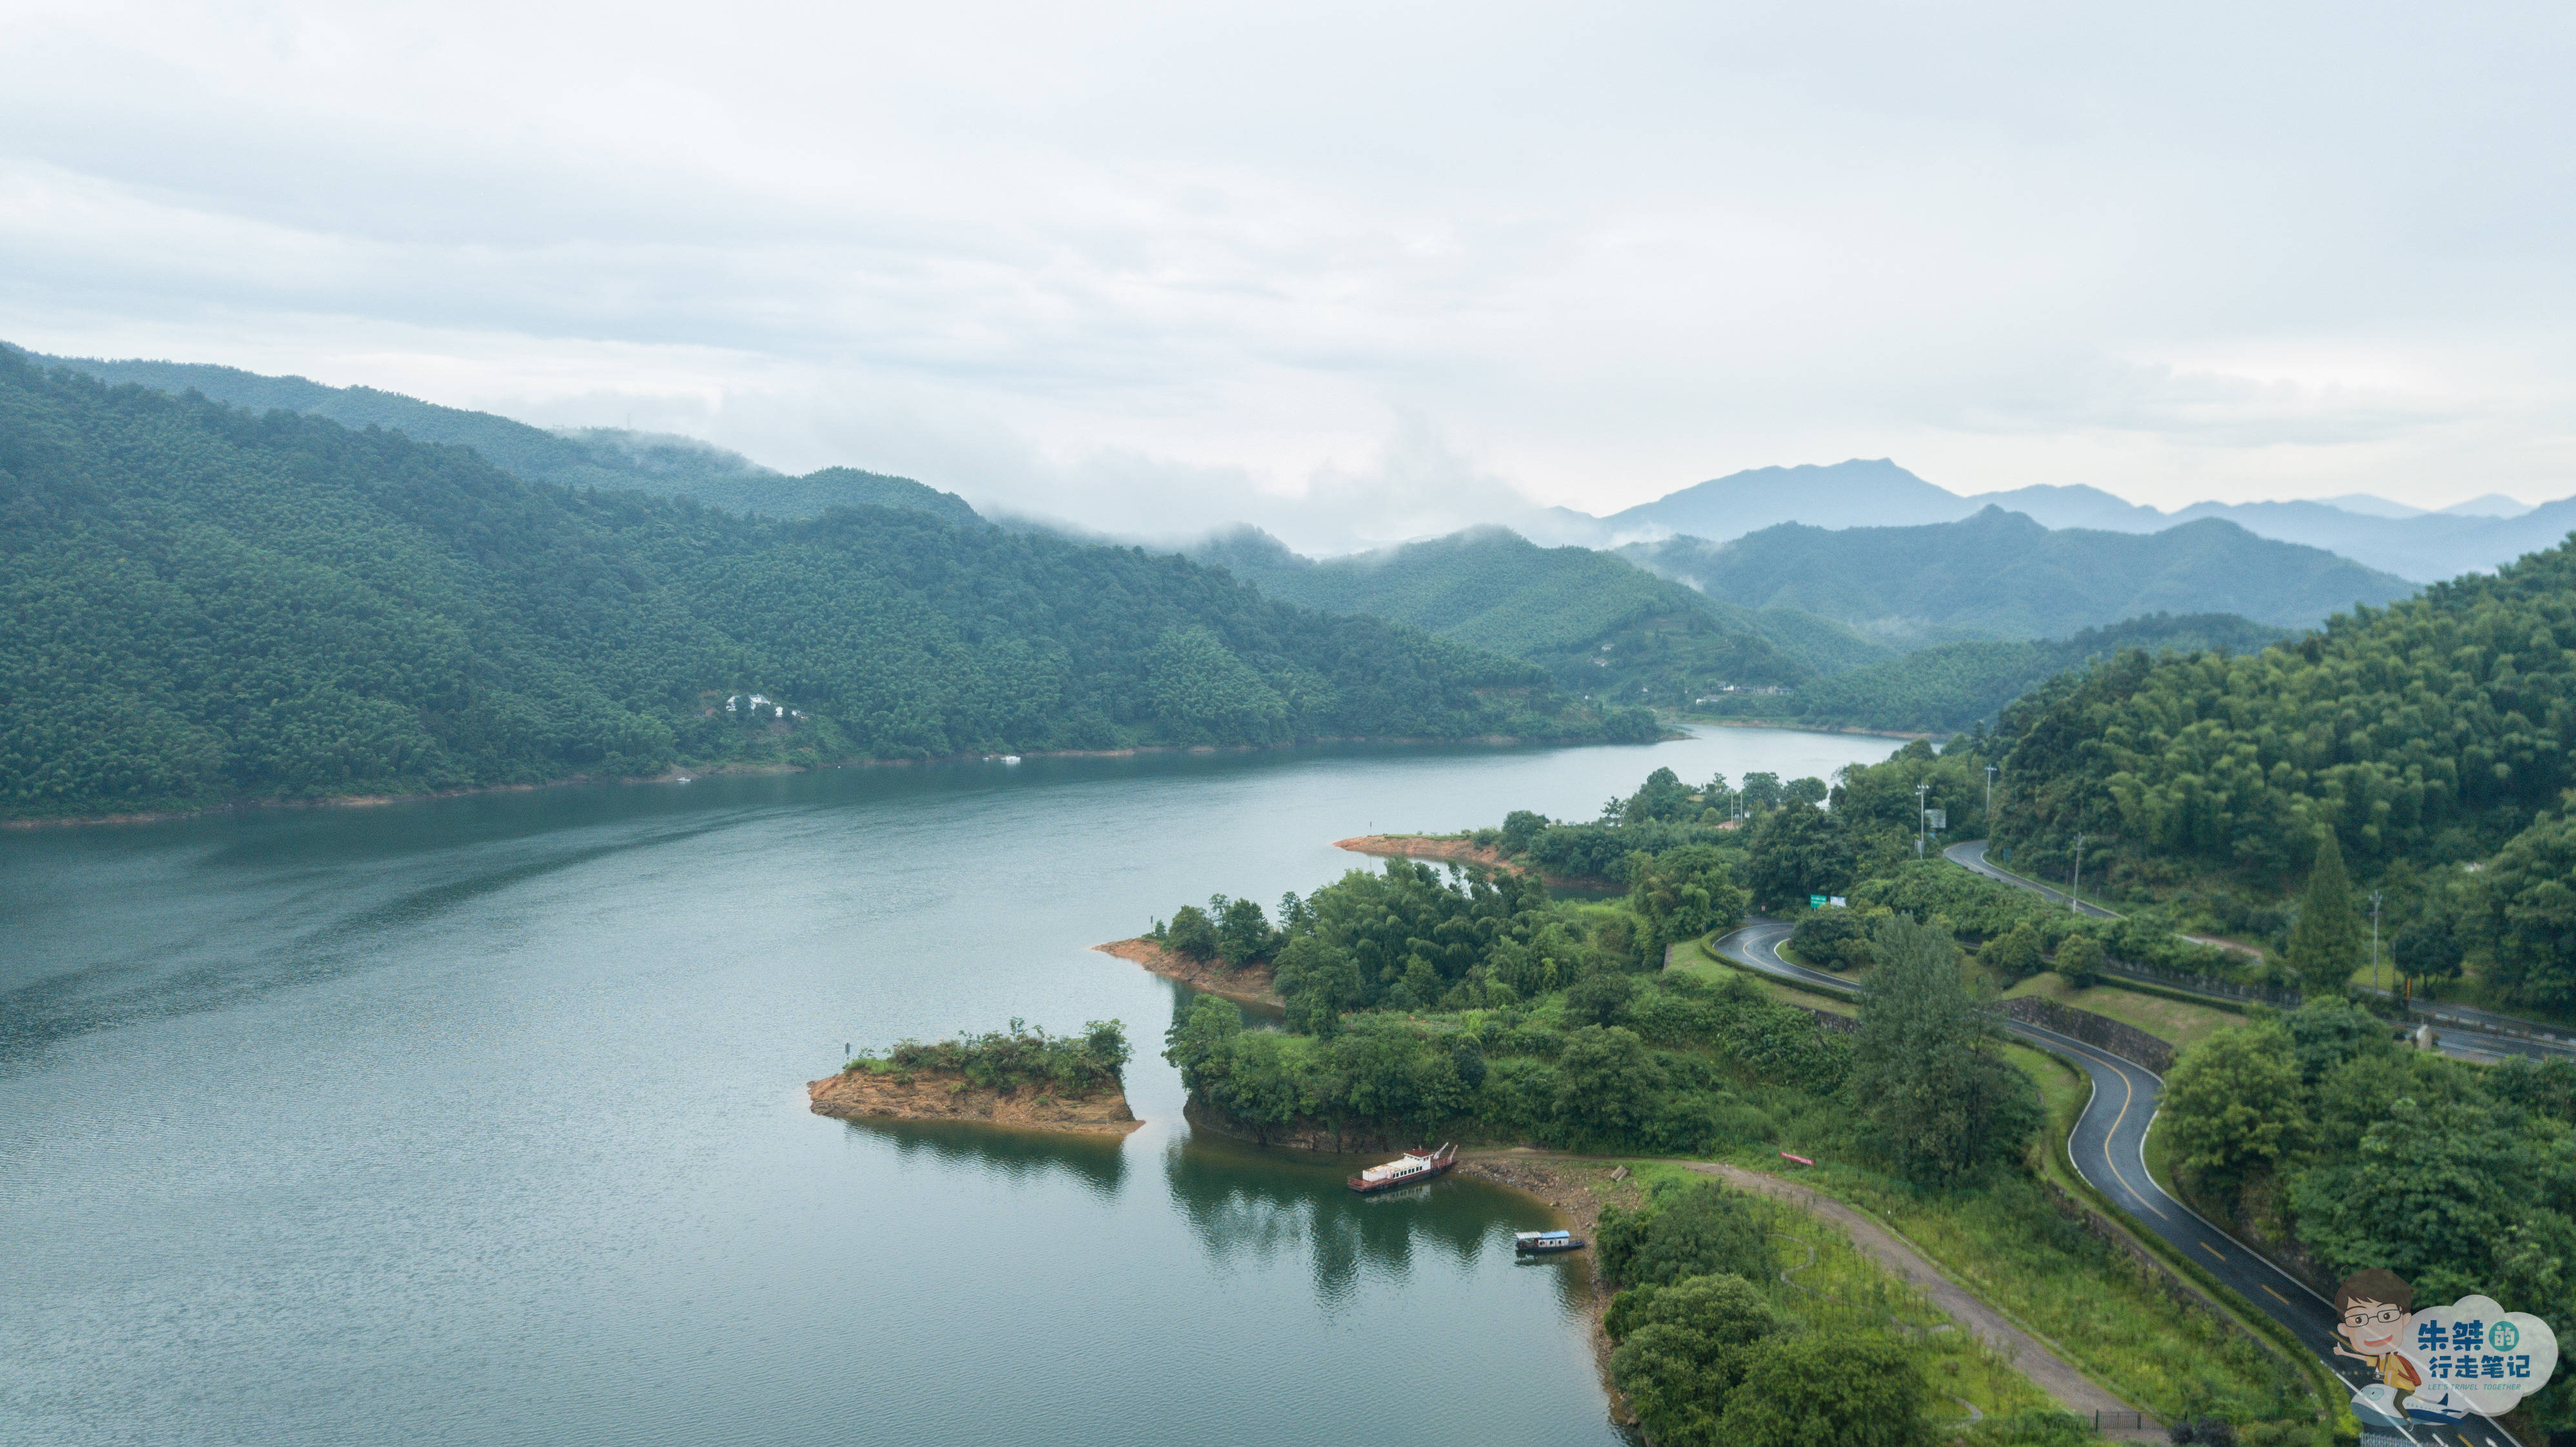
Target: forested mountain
1953,686
2002,575
1597,624
605,458
208,604
2431,730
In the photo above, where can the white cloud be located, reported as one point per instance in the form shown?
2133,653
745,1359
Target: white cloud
1159,267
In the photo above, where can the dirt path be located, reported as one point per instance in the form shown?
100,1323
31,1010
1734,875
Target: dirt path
2047,1371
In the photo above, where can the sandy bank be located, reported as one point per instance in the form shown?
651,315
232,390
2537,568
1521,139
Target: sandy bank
1457,851
938,1095
1250,985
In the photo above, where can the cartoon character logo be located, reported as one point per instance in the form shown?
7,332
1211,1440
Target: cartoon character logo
2437,1366
2374,1305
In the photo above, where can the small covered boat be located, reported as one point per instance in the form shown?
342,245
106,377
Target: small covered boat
1540,1243
1405,1169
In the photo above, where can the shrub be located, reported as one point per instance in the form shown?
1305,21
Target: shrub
1698,1229
1010,1060
2079,961
1836,939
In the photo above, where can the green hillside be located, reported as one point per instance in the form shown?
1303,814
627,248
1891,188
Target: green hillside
1596,623
604,458
208,604
1954,686
2430,730
2001,575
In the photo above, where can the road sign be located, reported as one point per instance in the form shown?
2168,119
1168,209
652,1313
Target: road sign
1939,819
1815,901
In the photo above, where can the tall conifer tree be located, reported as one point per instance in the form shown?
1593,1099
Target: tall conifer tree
2325,945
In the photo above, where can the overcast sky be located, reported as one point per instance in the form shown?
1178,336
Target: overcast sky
1349,271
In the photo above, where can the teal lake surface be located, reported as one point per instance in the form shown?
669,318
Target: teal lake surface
482,1120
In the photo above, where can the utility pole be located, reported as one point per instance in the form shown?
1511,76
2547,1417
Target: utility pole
2374,939
1922,819
2075,886
1990,798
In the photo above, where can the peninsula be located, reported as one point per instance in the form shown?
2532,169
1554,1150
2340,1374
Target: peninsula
1248,983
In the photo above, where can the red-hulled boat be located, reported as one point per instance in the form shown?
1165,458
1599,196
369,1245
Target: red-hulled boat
1405,1169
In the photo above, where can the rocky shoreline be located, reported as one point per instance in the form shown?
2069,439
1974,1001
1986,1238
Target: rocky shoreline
864,1094
1249,985
1576,1191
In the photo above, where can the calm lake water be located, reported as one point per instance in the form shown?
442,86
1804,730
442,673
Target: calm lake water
483,1120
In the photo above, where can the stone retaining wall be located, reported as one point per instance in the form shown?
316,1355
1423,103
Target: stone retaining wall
2100,1031
1828,1020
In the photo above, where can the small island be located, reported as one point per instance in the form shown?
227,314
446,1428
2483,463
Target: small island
1022,1078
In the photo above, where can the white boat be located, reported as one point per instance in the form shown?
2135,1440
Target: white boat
1405,1169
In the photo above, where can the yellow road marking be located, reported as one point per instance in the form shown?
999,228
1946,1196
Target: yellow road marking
2221,1255
2276,1296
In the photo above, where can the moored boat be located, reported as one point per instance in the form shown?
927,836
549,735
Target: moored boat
1405,1169
1540,1243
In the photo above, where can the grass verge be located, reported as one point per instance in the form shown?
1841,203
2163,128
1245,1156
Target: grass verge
2183,1021
1821,1280
2327,1391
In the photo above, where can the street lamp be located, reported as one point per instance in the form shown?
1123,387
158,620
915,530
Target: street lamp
2075,886
1922,819
2374,939
1990,798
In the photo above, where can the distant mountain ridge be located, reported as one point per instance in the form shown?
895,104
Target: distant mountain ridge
2001,575
1597,623
2481,534
611,459
1930,627
1951,687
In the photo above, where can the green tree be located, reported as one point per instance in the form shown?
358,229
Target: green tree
1684,893
2079,961
1682,1349
2428,947
1606,1083
1521,828
1761,791
1926,1068
1849,1388
1836,939
1243,933
1809,790
1798,851
2528,919
2014,954
1694,1229
1191,933
1200,1044
2235,1106
2326,943
1598,999
2431,1194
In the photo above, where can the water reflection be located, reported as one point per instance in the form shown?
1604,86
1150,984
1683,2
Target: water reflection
1098,1163
1251,1203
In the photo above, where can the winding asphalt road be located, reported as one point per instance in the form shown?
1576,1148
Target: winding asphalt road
2108,1146
2457,1028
